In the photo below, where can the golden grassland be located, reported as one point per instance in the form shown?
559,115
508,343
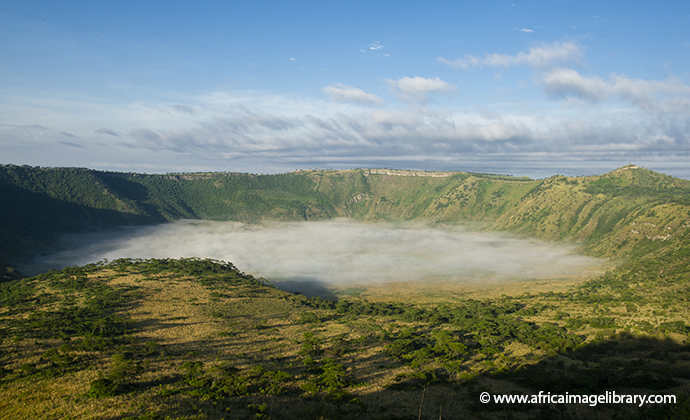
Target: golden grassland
456,291
246,326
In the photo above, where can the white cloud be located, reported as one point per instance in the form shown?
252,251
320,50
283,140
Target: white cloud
647,94
566,82
541,57
525,30
417,89
341,93
335,252
255,132
375,46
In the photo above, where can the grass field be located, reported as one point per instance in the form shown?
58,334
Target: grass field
211,345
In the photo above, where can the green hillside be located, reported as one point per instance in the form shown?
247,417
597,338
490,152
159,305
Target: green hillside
611,215
631,214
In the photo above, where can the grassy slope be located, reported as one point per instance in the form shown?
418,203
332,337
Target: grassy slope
197,339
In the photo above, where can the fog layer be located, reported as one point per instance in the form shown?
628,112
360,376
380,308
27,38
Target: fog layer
333,253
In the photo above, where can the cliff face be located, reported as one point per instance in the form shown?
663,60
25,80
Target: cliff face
397,172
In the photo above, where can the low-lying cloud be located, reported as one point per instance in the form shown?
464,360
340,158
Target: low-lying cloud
336,253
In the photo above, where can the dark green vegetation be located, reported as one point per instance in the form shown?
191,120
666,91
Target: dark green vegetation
198,339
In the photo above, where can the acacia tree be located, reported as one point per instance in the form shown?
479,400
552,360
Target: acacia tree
449,352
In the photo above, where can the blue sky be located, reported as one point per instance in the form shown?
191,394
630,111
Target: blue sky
531,88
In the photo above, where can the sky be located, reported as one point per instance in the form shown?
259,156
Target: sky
533,88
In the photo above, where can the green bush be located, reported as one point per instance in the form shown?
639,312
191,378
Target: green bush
102,388
308,318
311,345
123,369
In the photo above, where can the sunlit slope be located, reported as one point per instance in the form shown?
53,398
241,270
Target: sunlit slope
197,339
612,215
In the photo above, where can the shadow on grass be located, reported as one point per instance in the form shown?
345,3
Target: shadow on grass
624,364
306,286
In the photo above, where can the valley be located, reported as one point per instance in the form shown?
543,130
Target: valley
195,338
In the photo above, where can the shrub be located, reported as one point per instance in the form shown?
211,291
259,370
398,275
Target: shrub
102,388
308,318
311,345
123,369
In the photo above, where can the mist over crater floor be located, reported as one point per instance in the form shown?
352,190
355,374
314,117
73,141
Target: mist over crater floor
334,254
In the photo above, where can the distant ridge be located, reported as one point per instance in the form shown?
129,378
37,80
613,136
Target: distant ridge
400,172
